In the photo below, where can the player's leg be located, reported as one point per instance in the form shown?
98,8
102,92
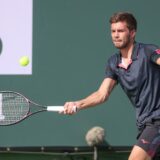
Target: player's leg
139,154
148,142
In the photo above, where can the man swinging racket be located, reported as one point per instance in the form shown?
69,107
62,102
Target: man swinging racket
136,67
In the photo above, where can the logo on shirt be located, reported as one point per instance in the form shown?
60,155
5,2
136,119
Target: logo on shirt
157,51
144,141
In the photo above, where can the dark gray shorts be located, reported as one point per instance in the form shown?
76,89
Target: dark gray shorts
149,138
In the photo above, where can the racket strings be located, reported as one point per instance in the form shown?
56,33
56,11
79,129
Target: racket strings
13,108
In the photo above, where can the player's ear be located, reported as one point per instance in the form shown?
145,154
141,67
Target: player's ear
133,33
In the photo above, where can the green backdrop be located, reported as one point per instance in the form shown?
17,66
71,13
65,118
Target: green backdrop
71,44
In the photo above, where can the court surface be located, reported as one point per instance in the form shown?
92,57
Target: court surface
66,153
71,153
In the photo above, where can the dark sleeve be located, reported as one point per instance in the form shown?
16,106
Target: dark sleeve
110,69
155,55
153,52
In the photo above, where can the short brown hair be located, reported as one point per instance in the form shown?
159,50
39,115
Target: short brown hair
124,17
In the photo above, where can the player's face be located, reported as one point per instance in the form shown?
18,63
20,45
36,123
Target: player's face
121,35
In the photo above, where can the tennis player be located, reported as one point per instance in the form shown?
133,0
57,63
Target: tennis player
136,67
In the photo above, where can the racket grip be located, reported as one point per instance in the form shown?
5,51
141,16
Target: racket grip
55,108
59,108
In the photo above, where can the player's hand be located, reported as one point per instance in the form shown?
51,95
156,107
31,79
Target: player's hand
70,108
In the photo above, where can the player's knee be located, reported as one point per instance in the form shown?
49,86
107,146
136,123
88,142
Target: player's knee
139,154
137,157
132,157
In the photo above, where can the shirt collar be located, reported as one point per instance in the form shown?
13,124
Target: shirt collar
134,53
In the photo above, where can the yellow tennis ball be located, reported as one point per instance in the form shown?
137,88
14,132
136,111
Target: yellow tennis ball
24,61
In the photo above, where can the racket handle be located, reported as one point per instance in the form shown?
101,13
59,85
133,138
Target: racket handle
55,108
59,108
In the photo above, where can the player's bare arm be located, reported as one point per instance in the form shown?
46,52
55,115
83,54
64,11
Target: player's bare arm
98,97
158,61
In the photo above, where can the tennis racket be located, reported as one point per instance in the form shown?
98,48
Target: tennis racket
15,107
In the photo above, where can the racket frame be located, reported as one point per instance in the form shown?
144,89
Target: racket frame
30,103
